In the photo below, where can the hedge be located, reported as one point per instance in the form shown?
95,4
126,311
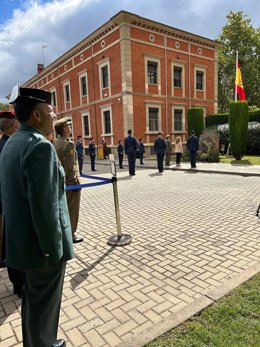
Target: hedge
217,119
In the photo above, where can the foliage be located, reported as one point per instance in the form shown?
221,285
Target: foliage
232,321
209,151
239,35
247,160
216,119
195,120
238,126
4,107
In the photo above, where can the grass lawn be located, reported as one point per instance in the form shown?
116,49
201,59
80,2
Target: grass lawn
248,160
234,321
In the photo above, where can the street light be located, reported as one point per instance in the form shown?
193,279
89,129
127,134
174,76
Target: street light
43,46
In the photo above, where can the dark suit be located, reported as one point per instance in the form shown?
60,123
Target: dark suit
159,149
193,146
120,151
131,147
37,226
141,152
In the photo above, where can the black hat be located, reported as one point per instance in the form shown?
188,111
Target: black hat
19,94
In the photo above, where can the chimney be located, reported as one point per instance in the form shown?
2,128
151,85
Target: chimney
40,68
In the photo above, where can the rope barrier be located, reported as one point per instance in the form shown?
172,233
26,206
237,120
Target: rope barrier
103,180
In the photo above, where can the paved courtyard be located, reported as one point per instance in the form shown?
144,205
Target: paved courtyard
195,237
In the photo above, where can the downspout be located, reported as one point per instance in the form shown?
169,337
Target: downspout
166,84
94,92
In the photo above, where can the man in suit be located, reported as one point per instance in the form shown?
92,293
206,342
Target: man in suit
168,150
35,215
159,149
92,153
141,151
131,147
80,152
193,146
68,157
8,125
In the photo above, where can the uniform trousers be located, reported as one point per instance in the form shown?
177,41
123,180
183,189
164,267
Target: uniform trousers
80,160
41,302
131,155
168,159
160,162
193,158
73,199
120,158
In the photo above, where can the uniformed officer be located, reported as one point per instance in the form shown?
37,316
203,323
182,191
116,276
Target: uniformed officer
92,153
120,151
68,157
131,146
168,150
8,125
80,152
159,149
34,208
193,146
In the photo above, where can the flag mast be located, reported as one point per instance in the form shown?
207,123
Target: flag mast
236,75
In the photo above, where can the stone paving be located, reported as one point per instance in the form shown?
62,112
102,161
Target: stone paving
195,237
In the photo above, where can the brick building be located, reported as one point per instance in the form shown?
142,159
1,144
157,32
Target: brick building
132,73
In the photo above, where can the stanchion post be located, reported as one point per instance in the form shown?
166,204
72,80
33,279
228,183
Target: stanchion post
119,239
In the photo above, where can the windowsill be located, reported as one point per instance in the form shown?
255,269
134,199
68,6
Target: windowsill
104,135
152,132
177,87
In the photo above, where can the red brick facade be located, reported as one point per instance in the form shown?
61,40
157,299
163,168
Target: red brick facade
132,73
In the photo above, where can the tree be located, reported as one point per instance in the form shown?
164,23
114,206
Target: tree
4,107
238,128
239,35
195,120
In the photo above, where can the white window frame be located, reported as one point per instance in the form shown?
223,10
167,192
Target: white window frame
147,59
81,75
85,114
182,66
54,90
67,83
101,65
147,107
178,107
203,70
104,109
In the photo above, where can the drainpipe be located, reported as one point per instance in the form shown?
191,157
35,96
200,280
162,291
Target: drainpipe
94,92
166,84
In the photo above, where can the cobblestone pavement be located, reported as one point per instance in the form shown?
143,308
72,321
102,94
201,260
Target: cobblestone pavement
195,237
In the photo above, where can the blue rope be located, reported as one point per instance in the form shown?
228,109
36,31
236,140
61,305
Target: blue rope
103,180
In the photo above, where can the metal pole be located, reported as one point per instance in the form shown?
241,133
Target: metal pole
236,76
116,200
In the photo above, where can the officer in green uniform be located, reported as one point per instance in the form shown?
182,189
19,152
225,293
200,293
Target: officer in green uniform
68,157
35,216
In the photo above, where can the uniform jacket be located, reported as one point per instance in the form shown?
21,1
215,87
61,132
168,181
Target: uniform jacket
3,141
141,148
120,150
131,145
168,146
80,150
35,211
92,150
193,143
68,157
159,146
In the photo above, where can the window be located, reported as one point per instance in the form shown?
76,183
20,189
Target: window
178,120
86,129
67,92
152,68
104,72
107,122
83,85
199,80
53,99
177,76
153,119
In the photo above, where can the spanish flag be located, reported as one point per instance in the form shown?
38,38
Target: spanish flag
239,89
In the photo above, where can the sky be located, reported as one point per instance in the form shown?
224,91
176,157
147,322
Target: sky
40,31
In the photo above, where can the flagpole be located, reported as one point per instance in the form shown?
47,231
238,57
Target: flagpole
236,76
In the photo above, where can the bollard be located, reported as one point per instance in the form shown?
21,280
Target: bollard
119,239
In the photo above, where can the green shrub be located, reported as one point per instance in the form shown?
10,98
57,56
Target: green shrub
217,119
238,125
195,120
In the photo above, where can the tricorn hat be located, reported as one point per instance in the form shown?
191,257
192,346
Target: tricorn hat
19,94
